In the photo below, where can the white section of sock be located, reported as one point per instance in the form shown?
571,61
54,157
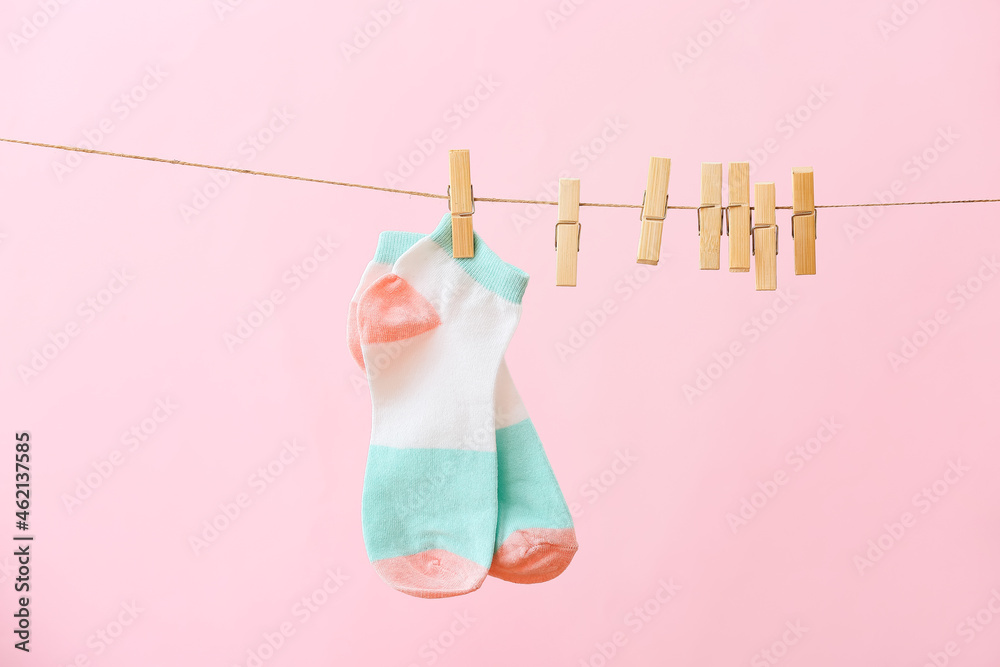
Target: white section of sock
438,390
509,408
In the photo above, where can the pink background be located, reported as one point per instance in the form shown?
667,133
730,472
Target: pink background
664,517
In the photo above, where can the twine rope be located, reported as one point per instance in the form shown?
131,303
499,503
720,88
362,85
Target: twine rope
431,195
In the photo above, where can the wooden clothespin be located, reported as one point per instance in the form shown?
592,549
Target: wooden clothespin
460,203
804,221
654,210
765,237
710,215
738,216
567,232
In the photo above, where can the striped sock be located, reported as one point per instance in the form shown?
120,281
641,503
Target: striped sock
429,505
535,539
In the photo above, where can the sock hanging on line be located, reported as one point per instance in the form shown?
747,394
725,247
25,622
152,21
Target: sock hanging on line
535,539
429,505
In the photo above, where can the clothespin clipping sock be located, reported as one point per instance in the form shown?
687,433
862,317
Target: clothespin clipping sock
461,203
765,237
567,232
804,221
710,215
654,210
738,217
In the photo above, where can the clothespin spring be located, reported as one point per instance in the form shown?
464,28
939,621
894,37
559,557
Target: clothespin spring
718,206
666,206
472,196
726,210
579,229
776,237
815,217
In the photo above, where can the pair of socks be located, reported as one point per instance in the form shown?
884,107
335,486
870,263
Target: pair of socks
457,484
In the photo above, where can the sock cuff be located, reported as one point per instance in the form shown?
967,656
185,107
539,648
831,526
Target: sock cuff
391,245
485,267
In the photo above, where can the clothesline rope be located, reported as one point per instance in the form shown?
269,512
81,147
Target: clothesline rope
431,195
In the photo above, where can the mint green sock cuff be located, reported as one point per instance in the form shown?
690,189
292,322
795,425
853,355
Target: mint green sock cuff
393,244
486,267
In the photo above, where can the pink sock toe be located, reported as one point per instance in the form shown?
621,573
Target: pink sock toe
534,555
435,573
